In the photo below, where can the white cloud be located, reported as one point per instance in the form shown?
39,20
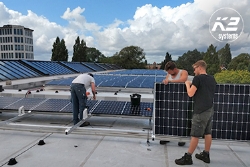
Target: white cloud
156,30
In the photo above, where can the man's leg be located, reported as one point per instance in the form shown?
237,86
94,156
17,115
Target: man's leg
204,156
208,142
193,144
75,104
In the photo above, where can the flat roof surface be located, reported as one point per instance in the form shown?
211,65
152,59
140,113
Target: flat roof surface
81,148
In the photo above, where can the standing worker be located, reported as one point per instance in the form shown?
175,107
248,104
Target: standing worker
78,95
174,75
202,90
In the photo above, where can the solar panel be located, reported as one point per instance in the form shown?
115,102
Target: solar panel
6,101
144,109
28,103
52,105
173,111
69,107
109,107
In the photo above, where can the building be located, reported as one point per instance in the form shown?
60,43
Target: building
16,42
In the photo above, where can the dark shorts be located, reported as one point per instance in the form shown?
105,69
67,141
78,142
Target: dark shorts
202,123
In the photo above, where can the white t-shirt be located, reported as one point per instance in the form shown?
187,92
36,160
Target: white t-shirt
84,79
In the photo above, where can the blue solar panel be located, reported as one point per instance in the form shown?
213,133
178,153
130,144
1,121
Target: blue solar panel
109,108
52,105
6,101
77,66
28,103
93,66
69,108
144,109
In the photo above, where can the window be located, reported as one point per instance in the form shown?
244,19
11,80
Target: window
14,31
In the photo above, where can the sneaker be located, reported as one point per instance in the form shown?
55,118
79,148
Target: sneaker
181,143
185,160
203,156
85,124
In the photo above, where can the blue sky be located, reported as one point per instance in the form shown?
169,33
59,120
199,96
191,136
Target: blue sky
102,12
157,26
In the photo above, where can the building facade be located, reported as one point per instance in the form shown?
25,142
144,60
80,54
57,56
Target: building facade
16,42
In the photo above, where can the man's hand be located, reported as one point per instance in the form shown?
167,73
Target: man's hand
94,97
188,83
165,81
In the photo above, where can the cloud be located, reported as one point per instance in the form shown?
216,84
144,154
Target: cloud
156,30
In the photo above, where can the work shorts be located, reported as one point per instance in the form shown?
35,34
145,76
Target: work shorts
202,123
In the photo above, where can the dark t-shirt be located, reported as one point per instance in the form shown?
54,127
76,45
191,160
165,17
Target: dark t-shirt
203,97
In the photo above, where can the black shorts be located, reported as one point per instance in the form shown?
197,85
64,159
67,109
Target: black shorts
202,123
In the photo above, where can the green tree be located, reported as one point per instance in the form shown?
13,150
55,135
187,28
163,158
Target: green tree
94,55
225,55
168,58
233,77
212,60
59,51
240,62
188,59
79,51
131,57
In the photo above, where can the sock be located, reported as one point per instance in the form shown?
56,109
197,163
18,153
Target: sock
206,151
188,153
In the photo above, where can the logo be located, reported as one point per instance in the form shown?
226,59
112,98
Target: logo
226,25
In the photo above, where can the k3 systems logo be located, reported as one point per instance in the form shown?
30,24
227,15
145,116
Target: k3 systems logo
226,25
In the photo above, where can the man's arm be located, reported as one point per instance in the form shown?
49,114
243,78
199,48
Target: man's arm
190,89
93,90
165,81
183,77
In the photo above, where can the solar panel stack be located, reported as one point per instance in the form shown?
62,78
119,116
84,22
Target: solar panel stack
173,111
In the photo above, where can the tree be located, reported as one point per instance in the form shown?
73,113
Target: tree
212,60
240,62
168,58
188,59
59,51
131,57
79,51
93,55
225,55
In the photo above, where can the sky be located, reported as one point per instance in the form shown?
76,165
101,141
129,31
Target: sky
156,26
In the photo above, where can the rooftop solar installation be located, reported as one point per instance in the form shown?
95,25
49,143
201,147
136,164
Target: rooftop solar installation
65,106
173,111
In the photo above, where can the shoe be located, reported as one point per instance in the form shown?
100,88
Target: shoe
181,143
164,142
185,160
204,156
85,124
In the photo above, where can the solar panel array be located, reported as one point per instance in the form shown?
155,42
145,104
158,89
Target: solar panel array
173,111
65,106
21,69
122,81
